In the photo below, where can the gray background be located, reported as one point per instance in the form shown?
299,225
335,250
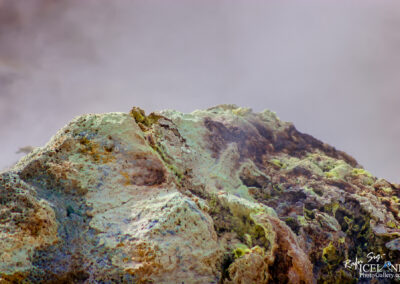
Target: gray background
331,67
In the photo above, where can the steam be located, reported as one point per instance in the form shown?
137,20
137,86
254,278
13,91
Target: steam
331,67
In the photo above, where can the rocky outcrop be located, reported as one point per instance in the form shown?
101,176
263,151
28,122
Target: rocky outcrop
222,195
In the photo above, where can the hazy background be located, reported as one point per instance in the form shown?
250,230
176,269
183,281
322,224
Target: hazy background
331,67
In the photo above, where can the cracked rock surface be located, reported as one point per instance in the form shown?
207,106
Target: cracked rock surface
222,195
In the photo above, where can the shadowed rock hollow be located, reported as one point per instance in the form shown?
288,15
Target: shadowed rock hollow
222,195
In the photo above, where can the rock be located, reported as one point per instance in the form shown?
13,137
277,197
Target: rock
222,195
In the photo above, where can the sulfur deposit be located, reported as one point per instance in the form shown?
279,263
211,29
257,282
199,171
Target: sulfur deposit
222,195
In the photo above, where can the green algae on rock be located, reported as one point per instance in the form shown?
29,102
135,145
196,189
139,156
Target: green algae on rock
222,195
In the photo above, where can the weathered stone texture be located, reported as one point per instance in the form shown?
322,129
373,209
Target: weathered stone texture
222,195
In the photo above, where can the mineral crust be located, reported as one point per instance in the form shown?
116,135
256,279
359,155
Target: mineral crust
222,195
